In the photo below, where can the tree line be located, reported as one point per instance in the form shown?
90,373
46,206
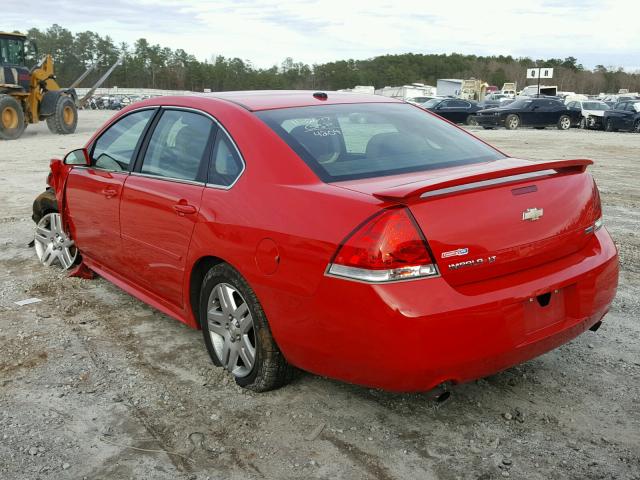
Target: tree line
152,66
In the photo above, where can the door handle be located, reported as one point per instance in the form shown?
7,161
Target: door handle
184,209
109,192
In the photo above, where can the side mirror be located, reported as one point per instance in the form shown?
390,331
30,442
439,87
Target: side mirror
77,157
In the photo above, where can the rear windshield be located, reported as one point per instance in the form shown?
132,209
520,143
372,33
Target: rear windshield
346,142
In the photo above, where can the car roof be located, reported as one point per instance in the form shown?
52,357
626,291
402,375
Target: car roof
272,99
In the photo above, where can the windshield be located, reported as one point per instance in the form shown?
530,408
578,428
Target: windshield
522,103
344,142
595,106
11,51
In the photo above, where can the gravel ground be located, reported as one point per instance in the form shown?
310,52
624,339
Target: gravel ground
94,384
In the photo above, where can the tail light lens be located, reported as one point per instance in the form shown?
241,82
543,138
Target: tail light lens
597,211
388,247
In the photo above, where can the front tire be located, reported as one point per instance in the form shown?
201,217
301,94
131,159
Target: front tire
471,120
512,122
609,126
636,126
11,118
237,334
65,117
564,122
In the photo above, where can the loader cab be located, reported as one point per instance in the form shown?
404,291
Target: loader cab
12,49
16,52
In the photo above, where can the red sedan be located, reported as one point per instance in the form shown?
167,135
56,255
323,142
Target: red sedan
352,236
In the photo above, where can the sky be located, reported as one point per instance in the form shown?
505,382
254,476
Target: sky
266,32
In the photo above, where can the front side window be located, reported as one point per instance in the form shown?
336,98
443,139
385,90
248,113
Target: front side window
115,148
177,146
11,51
343,142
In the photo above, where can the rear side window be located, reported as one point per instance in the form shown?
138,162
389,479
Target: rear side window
351,141
115,148
226,165
177,146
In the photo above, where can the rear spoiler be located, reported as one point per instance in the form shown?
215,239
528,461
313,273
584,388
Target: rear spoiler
409,191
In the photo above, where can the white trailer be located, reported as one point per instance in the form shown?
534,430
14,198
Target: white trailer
449,87
368,89
407,91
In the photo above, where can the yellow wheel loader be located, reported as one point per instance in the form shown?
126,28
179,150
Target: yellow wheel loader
31,95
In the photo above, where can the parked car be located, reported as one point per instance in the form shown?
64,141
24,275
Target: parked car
534,112
591,112
356,237
453,109
418,100
495,100
623,116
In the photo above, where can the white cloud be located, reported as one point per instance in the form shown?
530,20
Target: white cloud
313,31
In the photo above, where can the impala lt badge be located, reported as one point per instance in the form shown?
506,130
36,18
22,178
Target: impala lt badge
532,214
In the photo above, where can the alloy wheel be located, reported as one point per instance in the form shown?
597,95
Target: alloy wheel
52,243
565,123
231,329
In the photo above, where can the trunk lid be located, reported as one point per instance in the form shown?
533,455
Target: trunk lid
499,217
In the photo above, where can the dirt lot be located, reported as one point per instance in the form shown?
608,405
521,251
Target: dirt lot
94,384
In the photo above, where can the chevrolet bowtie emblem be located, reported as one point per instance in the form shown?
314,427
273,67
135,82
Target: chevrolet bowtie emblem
532,214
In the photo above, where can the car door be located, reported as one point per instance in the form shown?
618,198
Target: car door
92,194
628,116
444,110
616,115
161,199
459,110
529,114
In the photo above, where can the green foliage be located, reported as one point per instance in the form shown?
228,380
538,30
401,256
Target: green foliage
152,66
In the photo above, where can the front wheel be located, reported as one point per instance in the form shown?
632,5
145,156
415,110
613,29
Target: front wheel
512,122
609,126
236,332
53,244
564,122
636,126
65,117
583,123
11,118
471,120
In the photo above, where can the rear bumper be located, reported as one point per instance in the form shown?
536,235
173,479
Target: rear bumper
412,336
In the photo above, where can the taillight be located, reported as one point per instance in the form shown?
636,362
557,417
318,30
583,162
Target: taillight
597,211
388,247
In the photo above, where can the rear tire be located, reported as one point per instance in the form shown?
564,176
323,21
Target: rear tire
11,118
512,122
223,319
564,122
65,117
